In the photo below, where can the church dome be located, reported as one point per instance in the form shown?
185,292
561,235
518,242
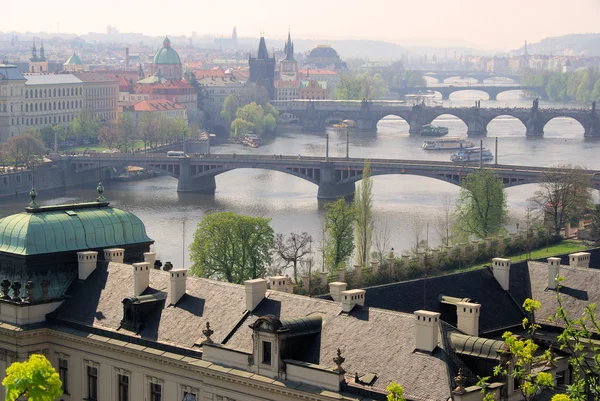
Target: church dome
166,55
322,51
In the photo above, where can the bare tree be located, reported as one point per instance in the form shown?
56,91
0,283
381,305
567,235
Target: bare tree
445,218
292,249
563,194
382,240
418,226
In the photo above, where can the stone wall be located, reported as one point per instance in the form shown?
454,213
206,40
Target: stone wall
20,182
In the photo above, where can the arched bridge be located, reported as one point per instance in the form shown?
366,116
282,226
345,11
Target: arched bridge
480,76
492,90
334,177
313,115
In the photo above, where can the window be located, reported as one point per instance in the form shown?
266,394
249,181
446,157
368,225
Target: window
266,353
123,388
63,372
92,381
155,392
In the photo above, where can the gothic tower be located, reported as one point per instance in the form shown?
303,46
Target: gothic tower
262,69
234,36
34,56
288,67
42,55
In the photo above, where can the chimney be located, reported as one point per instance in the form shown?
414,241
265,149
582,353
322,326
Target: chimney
468,317
501,268
141,278
150,258
127,58
426,333
553,272
178,284
87,263
352,298
335,289
256,291
579,259
282,284
114,255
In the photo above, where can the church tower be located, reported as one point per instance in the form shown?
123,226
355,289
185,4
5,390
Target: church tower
262,68
288,67
34,56
42,55
234,36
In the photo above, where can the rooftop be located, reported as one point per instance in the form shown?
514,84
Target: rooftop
51,79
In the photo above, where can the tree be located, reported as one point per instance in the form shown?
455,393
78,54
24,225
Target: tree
240,127
292,249
230,106
108,136
46,134
125,133
381,240
231,247
418,226
563,195
395,392
24,149
363,207
150,128
339,226
481,207
35,379
445,219
360,86
414,79
85,126
595,229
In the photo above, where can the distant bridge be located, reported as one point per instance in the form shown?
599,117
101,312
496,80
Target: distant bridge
334,177
313,115
492,90
480,76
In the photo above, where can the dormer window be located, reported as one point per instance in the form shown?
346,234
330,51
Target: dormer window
266,352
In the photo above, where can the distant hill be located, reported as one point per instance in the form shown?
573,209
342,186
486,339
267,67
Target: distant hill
576,44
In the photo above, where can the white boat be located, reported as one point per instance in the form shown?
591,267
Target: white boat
447,143
472,155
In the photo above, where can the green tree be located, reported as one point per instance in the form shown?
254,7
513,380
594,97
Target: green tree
339,232
150,128
85,126
414,79
230,106
563,195
595,229
47,136
481,207
231,247
125,133
179,129
23,149
35,379
360,86
240,127
363,206
395,392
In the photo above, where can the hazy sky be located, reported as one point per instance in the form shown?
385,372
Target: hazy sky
499,24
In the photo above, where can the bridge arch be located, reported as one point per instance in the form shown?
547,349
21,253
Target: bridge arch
558,124
500,122
443,120
342,179
308,174
486,96
500,77
397,121
335,117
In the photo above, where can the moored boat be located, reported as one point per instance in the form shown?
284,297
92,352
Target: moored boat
447,143
472,155
432,130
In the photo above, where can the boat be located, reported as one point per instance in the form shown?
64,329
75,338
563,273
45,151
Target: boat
472,155
349,123
432,130
447,143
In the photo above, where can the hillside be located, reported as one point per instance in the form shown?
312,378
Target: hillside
576,44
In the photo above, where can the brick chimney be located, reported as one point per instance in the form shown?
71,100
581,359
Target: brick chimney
115,255
426,330
87,262
351,298
468,317
178,284
553,272
335,290
501,269
579,259
141,278
256,290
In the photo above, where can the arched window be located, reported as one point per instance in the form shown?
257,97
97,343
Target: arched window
36,94
26,95
26,108
36,107
54,106
54,92
45,106
45,93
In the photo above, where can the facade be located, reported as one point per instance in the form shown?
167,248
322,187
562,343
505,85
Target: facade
320,74
157,107
313,90
100,96
12,101
167,63
38,63
262,69
215,91
179,92
287,90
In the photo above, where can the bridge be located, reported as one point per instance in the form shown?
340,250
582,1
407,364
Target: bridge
334,177
313,115
492,90
480,76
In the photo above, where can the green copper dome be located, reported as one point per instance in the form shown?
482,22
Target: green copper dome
65,228
166,55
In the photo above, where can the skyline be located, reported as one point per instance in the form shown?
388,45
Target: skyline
435,23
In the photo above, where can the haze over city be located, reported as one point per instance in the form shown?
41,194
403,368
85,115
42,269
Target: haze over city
475,23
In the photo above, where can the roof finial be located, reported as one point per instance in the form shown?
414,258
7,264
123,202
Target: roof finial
100,189
33,195
338,360
207,333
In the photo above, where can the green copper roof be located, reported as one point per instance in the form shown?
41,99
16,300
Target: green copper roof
166,55
64,228
73,60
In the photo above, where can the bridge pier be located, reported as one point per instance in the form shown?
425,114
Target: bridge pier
187,183
366,125
328,186
476,127
492,95
535,127
592,129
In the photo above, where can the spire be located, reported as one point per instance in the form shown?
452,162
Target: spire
263,54
525,48
289,49
234,34
42,55
34,56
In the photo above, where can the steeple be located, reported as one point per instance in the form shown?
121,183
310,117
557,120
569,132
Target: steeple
34,56
289,49
263,54
42,55
234,35
166,43
525,48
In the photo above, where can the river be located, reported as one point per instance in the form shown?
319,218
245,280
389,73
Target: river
291,202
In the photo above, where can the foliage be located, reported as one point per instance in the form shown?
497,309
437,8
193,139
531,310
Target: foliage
363,206
255,117
563,195
359,86
292,249
51,132
595,228
395,392
231,247
23,149
230,106
149,128
35,379
339,230
85,126
481,207
414,79
560,397
108,137
240,127
582,85
125,133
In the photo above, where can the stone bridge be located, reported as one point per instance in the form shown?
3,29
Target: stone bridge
480,76
334,177
313,115
492,90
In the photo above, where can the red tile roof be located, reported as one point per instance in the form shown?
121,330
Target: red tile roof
317,71
157,105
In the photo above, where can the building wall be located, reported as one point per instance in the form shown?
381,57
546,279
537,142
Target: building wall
216,92
100,98
52,104
12,108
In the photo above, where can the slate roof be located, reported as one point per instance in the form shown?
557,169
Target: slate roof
372,340
10,72
51,79
498,309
